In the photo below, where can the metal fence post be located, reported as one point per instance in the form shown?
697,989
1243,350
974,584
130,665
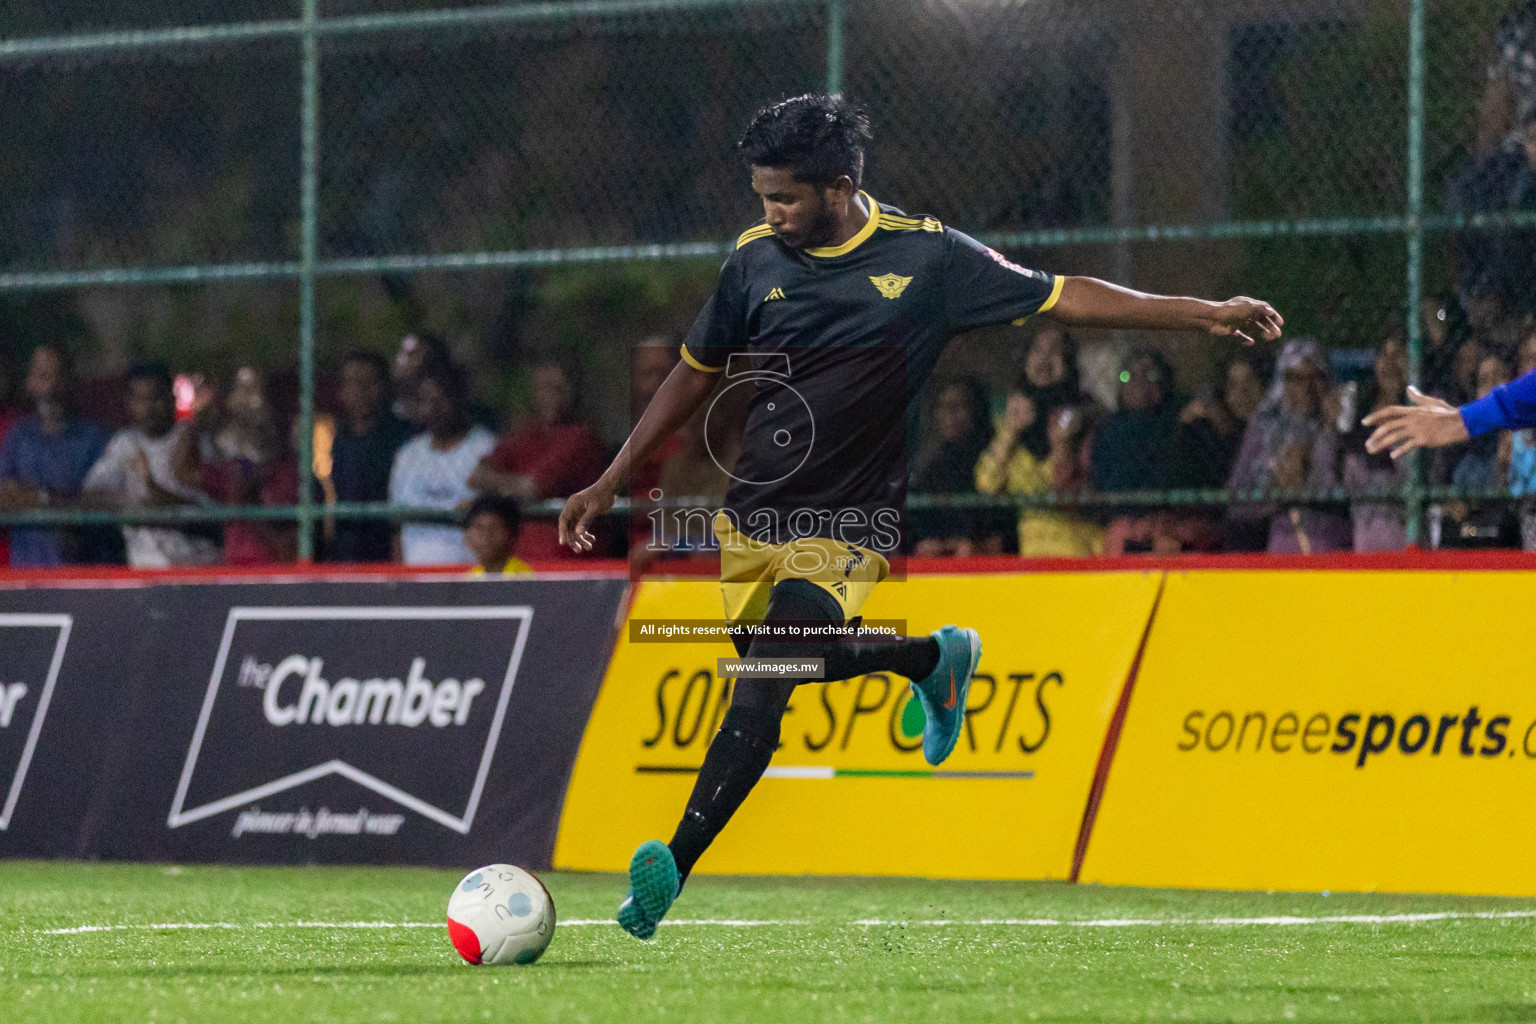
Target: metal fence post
837,18
1414,231
309,115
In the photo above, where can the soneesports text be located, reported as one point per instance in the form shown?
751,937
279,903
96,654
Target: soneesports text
296,693
1011,713
1358,734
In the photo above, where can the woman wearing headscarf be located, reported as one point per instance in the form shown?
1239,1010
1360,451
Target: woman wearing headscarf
1038,447
1050,382
1290,445
1007,466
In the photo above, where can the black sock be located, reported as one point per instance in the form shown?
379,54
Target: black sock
736,759
749,735
911,656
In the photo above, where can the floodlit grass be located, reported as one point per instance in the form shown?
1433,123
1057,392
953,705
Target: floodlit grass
1174,965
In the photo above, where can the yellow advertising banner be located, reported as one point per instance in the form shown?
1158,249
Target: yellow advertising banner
1329,730
848,791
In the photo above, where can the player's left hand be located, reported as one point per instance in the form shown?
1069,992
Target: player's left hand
1249,319
1428,423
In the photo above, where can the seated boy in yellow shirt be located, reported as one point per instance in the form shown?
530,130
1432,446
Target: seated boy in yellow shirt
491,527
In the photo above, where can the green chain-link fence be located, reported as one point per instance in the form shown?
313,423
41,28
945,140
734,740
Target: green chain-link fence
325,169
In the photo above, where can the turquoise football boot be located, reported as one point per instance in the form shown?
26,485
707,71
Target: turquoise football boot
942,693
653,884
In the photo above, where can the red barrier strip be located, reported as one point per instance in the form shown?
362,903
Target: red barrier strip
119,576
1112,742
1410,560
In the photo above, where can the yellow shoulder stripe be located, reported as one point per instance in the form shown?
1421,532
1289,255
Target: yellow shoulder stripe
752,234
691,361
893,223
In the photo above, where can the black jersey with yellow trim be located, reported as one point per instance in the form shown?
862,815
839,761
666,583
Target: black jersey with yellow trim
833,345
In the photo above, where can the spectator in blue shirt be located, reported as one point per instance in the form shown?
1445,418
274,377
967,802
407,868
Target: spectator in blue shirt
44,459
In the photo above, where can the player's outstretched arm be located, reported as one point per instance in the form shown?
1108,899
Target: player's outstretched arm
678,398
1089,302
1433,422
1426,423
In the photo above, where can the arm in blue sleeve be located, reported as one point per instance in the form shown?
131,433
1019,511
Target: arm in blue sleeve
1509,406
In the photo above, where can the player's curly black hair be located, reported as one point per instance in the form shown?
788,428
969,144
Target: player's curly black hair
819,138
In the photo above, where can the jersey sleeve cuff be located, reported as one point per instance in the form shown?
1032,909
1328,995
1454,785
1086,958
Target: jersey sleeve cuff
1482,416
691,361
1050,300
1056,286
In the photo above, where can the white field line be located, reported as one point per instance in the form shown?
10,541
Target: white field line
1012,922
178,926
1165,922
174,926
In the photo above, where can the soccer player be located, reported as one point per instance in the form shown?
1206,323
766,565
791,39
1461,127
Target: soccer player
839,305
1430,422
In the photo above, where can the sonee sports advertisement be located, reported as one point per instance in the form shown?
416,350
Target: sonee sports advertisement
848,791
1328,730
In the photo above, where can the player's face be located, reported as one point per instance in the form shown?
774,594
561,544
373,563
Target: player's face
800,214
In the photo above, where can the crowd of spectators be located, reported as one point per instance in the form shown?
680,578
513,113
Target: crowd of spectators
1281,433
1282,436
405,433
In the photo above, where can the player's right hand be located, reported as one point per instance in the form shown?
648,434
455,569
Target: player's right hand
577,515
1248,319
1428,423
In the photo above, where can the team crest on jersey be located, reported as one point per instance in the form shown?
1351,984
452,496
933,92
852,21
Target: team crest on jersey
891,285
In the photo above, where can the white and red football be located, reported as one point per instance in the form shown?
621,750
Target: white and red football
500,914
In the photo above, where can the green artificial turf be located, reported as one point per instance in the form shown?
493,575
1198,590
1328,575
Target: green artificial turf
827,968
